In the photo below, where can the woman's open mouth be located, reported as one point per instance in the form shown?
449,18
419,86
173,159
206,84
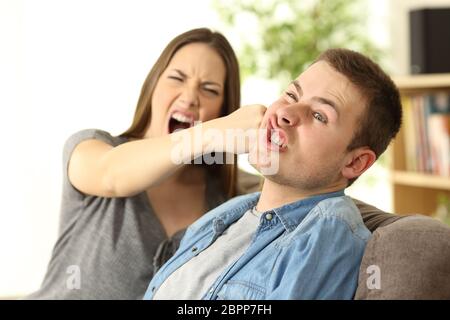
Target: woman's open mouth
180,121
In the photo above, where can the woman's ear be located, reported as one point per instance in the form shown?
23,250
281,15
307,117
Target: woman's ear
359,161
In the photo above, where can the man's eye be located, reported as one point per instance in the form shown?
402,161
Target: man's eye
319,117
291,95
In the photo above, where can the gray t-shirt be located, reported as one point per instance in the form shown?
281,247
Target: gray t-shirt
107,248
192,280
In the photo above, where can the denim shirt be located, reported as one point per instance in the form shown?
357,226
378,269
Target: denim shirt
308,249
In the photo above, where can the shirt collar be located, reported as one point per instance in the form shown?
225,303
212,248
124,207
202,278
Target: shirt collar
290,214
243,204
293,213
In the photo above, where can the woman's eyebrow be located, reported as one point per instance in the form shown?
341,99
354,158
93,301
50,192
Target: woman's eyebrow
182,74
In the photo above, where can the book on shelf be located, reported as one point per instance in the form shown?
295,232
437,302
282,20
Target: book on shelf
410,135
427,132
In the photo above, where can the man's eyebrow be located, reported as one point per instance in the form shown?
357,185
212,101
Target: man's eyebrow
182,74
329,102
297,86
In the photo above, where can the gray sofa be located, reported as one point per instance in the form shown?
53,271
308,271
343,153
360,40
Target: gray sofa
408,257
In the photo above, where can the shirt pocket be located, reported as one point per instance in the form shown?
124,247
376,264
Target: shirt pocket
241,290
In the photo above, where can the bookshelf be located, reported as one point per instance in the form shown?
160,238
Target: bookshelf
416,192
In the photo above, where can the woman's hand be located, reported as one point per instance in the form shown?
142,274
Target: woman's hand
246,117
235,132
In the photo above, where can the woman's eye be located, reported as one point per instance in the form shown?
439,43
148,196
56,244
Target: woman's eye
319,117
212,91
291,95
175,78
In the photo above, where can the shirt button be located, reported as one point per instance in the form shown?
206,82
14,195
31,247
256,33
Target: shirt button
269,216
194,249
153,289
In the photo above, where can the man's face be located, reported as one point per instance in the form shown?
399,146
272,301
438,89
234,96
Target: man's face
314,119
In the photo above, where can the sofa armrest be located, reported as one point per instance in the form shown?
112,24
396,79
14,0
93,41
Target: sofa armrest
412,256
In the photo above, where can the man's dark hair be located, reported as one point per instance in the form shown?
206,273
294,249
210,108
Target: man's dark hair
381,120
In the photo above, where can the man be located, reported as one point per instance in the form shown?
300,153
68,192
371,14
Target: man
301,237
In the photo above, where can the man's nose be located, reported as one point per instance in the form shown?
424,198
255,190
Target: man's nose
288,116
189,97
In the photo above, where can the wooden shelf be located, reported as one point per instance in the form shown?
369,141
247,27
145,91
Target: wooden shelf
423,82
415,192
422,180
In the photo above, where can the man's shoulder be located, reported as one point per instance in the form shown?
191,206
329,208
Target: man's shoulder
341,207
340,210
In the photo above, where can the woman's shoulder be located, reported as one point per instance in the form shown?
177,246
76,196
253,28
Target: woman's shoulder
98,134
87,134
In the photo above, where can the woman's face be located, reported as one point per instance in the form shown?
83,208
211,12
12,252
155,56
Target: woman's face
190,89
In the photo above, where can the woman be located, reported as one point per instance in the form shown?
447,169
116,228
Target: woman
125,201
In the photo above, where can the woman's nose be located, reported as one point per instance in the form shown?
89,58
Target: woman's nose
189,97
288,116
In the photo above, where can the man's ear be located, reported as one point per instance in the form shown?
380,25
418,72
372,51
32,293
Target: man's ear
359,160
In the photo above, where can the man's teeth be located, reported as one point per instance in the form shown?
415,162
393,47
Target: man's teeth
181,118
275,138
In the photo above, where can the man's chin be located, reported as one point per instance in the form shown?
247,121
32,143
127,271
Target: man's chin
267,163
266,170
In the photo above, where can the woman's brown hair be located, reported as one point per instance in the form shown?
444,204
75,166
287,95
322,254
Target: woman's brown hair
231,101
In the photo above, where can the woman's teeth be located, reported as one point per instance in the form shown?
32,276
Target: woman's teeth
181,118
275,139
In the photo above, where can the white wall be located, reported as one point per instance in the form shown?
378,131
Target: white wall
66,66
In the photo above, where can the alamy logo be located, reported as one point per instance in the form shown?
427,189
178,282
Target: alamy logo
374,280
73,282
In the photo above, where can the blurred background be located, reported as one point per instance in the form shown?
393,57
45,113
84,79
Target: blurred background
70,65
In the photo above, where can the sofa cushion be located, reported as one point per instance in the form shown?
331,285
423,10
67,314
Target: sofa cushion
373,217
407,259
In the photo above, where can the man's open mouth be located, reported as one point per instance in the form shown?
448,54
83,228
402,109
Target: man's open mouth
276,138
179,121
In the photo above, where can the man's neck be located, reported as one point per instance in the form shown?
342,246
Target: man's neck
274,195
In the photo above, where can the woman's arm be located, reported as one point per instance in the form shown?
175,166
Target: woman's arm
96,168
